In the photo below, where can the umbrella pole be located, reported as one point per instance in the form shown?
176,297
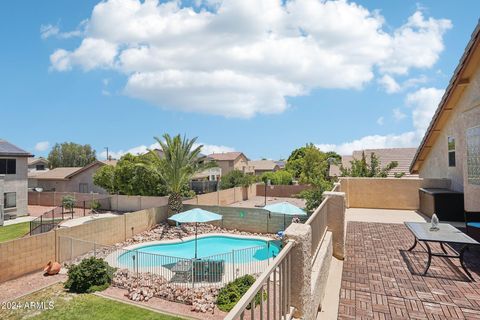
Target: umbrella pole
284,222
195,240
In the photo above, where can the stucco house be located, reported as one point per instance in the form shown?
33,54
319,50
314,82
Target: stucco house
262,166
229,161
13,180
37,164
70,179
403,156
451,146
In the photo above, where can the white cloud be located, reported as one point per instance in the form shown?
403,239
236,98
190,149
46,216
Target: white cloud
398,114
390,84
380,121
49,30
424,102
141,149
42,146
244,57
407,139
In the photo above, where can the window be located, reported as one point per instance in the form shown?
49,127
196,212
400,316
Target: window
451,151
83,188
9,200
8,166
40,167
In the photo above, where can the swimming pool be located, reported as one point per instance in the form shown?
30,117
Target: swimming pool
227,248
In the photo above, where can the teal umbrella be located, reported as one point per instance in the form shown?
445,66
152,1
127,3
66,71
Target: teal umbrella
285,208
195,216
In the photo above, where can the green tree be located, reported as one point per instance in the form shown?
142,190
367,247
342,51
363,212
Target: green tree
180,162
132,175
70,154
236,178
280,177
364,168
308,164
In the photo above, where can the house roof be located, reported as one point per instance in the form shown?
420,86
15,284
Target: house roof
263,164
225,156
403,156
460,80
8,149
61,173
65,173
36,160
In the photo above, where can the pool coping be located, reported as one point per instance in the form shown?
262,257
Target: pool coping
189,238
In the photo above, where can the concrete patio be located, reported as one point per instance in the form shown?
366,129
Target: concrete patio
381,279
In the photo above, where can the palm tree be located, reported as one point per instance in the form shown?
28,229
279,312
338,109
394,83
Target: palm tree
180,161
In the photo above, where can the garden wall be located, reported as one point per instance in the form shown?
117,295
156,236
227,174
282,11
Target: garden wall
224,197
247,219
281,191
387,193
54,199
134,203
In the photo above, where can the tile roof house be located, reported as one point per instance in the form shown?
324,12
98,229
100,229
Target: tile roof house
229,161
450,148
262,166
403,156
70,179
13,180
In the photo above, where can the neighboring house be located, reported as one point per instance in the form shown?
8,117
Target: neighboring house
403,156
262,166
451,145
13,179
229,161
211,174
37,164
281,164
70,179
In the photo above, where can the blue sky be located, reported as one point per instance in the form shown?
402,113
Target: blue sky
258,78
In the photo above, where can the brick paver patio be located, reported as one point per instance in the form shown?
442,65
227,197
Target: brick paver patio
381,279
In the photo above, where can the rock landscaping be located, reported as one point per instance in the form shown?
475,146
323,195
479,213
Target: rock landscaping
144,286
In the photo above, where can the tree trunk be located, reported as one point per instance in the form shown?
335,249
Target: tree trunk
175,202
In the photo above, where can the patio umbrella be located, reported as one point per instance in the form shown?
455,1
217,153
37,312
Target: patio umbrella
195,216
285,208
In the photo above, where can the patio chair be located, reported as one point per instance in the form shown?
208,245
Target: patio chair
472,224
215,270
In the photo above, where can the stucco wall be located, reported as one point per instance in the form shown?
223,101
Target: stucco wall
18,183
25,255
282,191
465,115
387,193
224,197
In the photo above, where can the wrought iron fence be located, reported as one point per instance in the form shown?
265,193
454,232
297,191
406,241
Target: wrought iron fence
156,269
52,218
200,187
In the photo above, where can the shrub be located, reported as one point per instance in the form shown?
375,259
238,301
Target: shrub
89,275
281,177
68,202
233,292
236,178
96,205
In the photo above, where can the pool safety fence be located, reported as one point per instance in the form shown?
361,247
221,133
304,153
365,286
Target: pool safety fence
157,270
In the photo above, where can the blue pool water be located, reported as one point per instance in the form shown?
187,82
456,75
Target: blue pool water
229,249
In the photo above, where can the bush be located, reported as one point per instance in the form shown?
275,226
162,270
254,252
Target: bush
88,276
281,177
236,178
233,292
68,202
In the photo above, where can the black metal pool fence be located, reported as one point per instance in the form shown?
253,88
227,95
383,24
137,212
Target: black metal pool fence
214,270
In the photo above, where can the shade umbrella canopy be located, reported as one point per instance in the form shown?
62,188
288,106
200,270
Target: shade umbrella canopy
195,216
285,208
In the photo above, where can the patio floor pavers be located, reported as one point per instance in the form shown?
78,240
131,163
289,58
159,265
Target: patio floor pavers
381,279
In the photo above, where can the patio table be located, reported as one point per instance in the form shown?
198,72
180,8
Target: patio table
446,235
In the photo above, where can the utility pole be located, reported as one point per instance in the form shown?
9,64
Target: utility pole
106,148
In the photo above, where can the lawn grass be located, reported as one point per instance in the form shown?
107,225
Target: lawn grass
68,306
14,231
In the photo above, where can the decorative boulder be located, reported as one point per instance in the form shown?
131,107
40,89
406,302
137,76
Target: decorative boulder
52,268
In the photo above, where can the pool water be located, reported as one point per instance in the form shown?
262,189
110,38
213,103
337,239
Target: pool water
229,249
